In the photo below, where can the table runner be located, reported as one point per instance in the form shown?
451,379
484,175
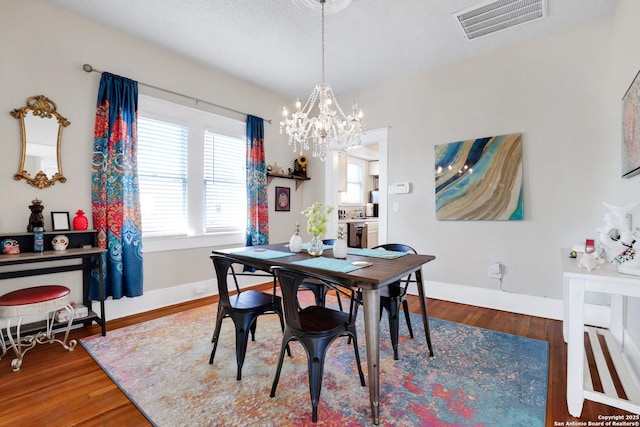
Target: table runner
332,264
263,253
376,253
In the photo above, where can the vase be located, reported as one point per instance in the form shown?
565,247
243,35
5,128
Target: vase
340,248
80,222
315,246
295,243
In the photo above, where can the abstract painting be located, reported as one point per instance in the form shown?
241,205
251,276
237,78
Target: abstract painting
480,179
631,129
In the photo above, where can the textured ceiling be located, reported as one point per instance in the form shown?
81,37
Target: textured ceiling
276,45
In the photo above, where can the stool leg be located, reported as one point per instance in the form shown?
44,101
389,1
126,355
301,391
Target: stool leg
50,337
16,344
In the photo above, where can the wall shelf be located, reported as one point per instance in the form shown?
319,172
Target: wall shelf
298,179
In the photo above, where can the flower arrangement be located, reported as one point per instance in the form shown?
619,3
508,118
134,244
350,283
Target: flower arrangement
317,218
341,234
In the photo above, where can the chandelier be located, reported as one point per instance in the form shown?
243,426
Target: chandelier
331,130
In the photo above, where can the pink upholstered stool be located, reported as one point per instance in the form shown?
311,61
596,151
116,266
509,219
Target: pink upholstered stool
32,301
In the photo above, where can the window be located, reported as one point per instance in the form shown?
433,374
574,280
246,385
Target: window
225,181
355,182
192,173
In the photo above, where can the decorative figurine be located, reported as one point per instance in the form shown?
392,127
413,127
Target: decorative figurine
616,237
80,222
60,242
300,167
36,219
10,246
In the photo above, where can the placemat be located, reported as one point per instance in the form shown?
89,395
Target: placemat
376,253
332,264
263,254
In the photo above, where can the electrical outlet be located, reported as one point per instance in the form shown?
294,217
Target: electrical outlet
495,270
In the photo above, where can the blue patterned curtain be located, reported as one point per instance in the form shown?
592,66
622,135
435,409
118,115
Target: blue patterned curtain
257,203
114,188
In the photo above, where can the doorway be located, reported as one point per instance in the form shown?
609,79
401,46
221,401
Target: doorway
375,137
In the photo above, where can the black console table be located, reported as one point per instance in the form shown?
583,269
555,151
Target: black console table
81,246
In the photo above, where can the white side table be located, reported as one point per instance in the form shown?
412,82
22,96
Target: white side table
605,279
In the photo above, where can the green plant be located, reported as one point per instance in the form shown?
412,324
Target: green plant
341,232
317,218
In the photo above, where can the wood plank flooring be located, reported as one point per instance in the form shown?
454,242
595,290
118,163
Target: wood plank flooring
59,388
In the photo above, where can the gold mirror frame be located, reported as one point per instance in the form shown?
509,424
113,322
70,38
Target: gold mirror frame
42,107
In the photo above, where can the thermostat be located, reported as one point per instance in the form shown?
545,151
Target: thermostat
399,188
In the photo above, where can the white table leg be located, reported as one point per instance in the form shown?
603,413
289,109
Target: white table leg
616,325
575,346
565,310
371,302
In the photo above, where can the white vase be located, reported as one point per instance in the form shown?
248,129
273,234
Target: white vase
295,243
340,249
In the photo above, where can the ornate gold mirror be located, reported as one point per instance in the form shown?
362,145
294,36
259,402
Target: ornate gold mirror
41,142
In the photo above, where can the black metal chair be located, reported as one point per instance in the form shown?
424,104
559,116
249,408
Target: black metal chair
394,297
318,288
315,327
243,308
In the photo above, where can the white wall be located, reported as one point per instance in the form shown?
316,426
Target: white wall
562,92
42,50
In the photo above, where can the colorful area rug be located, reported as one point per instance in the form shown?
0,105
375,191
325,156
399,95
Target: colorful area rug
478,377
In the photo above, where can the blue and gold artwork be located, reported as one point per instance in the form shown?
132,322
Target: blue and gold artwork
479,179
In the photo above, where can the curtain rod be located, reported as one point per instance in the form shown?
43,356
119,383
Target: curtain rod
88,68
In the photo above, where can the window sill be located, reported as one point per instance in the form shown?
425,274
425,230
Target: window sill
173,243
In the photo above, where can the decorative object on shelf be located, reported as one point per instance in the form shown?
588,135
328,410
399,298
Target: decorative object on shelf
35,219
295,243
332,129
60,242
60,221
10,247
38,239
300,166
590,261
340,246
316,215
283,199
80,222
615,236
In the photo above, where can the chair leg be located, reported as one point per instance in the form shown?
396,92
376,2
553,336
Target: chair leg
405,306
285,344
216,334
316,370
394,325
357,353
339,300
242,338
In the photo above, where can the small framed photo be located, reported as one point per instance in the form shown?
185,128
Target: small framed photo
283,199
60,221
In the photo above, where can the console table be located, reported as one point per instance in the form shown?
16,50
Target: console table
607,280
81,247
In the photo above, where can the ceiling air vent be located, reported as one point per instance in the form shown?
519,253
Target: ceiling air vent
496,15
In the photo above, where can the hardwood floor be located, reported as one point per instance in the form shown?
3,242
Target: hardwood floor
59,388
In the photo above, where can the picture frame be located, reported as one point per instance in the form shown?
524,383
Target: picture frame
631,129
60,221
283,199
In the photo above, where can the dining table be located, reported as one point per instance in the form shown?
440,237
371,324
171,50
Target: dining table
366,269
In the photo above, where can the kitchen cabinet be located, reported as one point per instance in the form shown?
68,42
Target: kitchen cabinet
374,168
372,234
